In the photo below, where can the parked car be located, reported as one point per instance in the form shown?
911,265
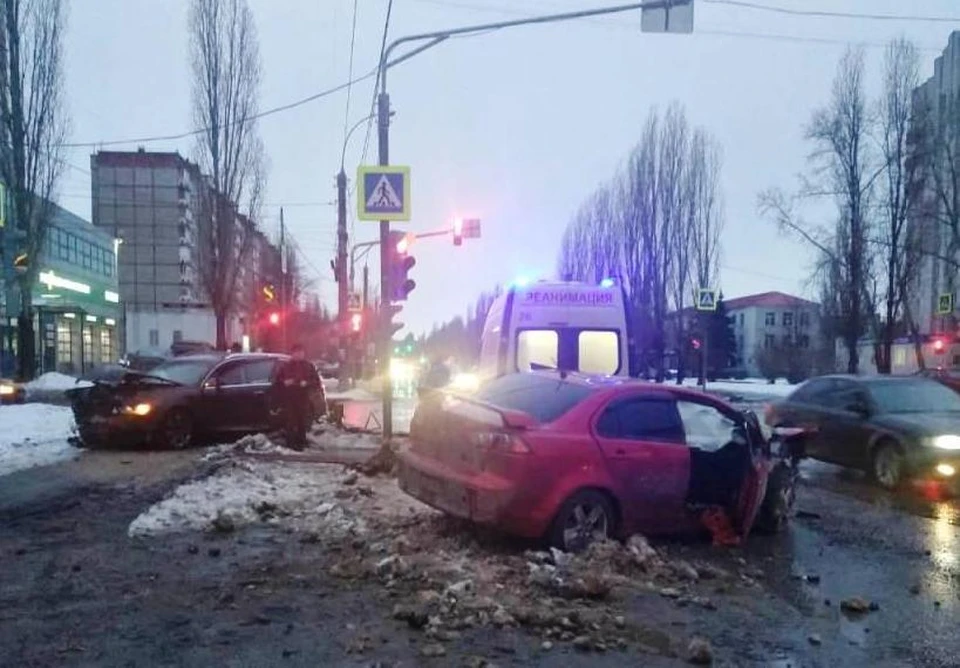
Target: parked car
182,400
948,377
11,392
893,427
572,458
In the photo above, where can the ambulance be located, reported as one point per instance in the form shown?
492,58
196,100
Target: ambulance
557,325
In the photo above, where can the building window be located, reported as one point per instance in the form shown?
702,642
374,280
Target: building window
804,319
771,319
64,345
788,318
87,348
154,338
787,341
106,346
741,319
769,341
804,341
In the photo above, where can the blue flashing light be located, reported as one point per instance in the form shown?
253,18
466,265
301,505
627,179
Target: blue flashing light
606,283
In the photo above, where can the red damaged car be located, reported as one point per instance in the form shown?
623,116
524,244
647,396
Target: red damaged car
574,458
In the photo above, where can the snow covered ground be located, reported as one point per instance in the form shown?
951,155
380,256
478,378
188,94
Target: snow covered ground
54,382
750,388
314,497
34,435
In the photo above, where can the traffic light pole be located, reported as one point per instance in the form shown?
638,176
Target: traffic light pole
386,312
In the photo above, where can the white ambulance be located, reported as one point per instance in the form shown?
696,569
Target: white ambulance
557,325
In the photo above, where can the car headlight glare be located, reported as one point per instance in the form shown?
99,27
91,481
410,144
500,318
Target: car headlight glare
140,409
7,390
947,442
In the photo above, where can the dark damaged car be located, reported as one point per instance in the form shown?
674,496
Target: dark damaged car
182,401
574,458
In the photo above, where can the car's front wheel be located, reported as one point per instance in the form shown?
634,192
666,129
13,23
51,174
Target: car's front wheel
779,500
176,429
888,465
586,517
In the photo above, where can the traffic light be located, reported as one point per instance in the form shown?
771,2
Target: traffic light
695,342
939,346
400,263
457,231
274,318
356,323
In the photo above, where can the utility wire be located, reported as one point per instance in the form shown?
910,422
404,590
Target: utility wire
836,15
353,41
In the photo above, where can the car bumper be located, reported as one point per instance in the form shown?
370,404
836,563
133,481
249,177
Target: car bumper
116,430
935,463
483,498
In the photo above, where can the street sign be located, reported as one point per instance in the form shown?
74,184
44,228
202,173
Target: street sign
269,294
471,228
675,16
945,304
706,299
384,193
353,303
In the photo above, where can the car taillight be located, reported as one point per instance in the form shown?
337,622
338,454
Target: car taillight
501,441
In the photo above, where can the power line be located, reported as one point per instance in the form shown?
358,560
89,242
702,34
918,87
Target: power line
835,15
262,114
353,41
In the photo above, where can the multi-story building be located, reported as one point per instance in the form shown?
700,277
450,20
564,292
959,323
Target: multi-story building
771,320
936,102
155,203
76,302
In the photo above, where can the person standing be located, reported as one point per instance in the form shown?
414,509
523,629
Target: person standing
294,382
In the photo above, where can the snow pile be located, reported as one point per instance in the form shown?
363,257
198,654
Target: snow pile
312,498
754,388
344,440
55,382
34,435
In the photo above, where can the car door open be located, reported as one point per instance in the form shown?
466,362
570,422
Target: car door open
641,438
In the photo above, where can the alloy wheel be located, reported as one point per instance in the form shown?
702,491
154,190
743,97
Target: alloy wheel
586,523
177,430
888,466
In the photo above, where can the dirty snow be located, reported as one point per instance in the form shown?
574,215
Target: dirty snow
54,382
751,387
308,497
34,435
331,439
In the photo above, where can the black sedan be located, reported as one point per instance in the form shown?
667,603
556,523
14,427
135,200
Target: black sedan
182,400
892,427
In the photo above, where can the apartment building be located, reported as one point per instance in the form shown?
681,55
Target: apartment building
769,320
155,203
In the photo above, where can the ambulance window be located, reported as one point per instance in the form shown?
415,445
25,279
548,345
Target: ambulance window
537,346
598,352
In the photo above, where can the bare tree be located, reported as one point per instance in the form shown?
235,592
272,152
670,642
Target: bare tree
706,162
898,252
841,171
226,84
33,123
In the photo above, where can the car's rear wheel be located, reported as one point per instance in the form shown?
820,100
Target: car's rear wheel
584,518
888,465
176,430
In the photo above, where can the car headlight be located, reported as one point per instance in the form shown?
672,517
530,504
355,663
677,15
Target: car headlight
140,409
947,442
465,382
7,390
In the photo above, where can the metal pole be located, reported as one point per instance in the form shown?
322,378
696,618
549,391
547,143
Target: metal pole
283,286
366,287
386,313
342,315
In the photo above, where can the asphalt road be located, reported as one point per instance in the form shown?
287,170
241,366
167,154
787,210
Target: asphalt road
74,590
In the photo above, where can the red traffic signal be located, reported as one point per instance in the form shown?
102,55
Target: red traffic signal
356,322
695,343
400,263
274,318
939,345
457,231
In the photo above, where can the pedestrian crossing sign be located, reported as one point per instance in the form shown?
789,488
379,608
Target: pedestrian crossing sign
383,193
706,299
945,304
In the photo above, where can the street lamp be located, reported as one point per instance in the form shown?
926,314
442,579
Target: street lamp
657,16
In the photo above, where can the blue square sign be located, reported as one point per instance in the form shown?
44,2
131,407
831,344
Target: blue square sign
384,193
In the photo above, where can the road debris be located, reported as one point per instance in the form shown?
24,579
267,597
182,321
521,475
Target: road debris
700,652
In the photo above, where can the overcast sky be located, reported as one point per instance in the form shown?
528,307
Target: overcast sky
516,127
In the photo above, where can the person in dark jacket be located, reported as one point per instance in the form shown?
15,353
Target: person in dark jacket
294,382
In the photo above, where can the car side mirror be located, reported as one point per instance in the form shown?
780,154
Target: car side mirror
212,385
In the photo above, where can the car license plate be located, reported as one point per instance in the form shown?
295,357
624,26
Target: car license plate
437,492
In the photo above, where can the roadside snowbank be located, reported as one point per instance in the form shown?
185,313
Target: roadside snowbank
309,497
54,382
752,387
34,435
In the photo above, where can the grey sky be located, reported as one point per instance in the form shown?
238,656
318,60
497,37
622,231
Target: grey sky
516,127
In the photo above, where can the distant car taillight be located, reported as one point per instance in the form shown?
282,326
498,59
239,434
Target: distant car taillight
501,441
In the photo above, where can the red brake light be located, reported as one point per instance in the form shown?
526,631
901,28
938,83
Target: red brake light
501,441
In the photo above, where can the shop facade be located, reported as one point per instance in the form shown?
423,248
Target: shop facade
77,311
